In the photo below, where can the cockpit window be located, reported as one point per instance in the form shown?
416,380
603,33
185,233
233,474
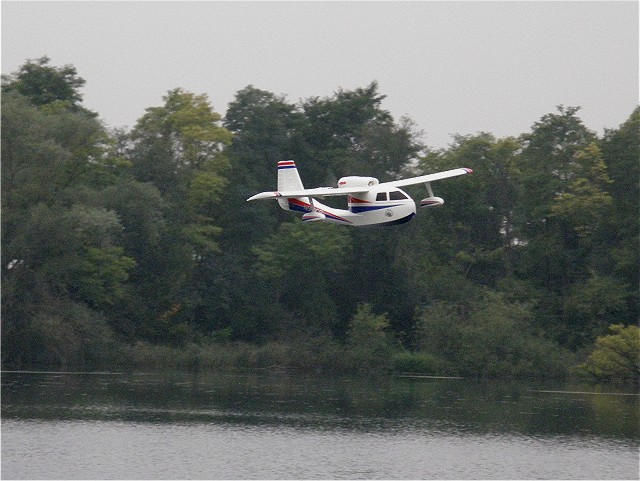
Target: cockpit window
397,195
381,196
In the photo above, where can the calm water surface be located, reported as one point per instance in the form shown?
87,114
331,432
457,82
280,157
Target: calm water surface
206,426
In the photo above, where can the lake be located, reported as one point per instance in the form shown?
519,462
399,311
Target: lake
279,426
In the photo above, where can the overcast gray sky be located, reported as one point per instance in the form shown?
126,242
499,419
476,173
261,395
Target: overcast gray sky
452,67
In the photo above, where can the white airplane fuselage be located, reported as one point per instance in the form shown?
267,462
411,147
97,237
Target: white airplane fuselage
382,207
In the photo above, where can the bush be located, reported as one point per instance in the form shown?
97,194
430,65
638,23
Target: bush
370,347
616,357
416,363
489,337
67,335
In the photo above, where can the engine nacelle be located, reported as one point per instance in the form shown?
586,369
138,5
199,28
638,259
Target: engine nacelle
431,202
357,181
313,216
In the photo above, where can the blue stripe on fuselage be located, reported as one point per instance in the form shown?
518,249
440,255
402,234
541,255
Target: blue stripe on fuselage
298,208
358,209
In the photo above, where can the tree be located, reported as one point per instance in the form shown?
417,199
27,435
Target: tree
350,134
179,141
367,329
265,130
384,149
488,336
179,148
116,237
376,277
64,257
65,265
619,236
549,165
72,252
620,151
369,343
555,157
263,125
585,200
461,241
27,157
305,269
548,162
616,357
46,152
44,85
591,305
61,334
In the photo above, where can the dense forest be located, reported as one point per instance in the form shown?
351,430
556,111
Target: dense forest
137,248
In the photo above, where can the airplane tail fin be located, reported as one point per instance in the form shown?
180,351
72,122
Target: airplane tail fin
288,176
289,179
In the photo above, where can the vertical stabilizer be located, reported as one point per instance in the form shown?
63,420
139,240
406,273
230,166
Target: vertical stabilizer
289,179
288,176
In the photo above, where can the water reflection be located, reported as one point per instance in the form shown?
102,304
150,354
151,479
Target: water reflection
188,426
322,403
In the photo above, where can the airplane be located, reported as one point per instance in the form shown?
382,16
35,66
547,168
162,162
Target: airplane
370,203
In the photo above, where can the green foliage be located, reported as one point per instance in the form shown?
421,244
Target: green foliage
139,246
302,265
368,330
549,161
349,134
102,275
67,335
296,247
478,208
71,252
45,156
266,129
487,337
592,305
621,150
621,231
370,345
179,147
585,201
178,140
417,363
44,84
616,357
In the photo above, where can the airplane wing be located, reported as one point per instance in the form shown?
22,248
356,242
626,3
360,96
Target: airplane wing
333,191
428,178
318,192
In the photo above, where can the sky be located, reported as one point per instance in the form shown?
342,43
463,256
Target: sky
452,67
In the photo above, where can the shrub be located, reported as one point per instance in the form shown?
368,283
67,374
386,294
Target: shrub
416,363
616,357
68,335
369,345
489,337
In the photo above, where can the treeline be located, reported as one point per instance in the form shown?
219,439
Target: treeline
138,247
